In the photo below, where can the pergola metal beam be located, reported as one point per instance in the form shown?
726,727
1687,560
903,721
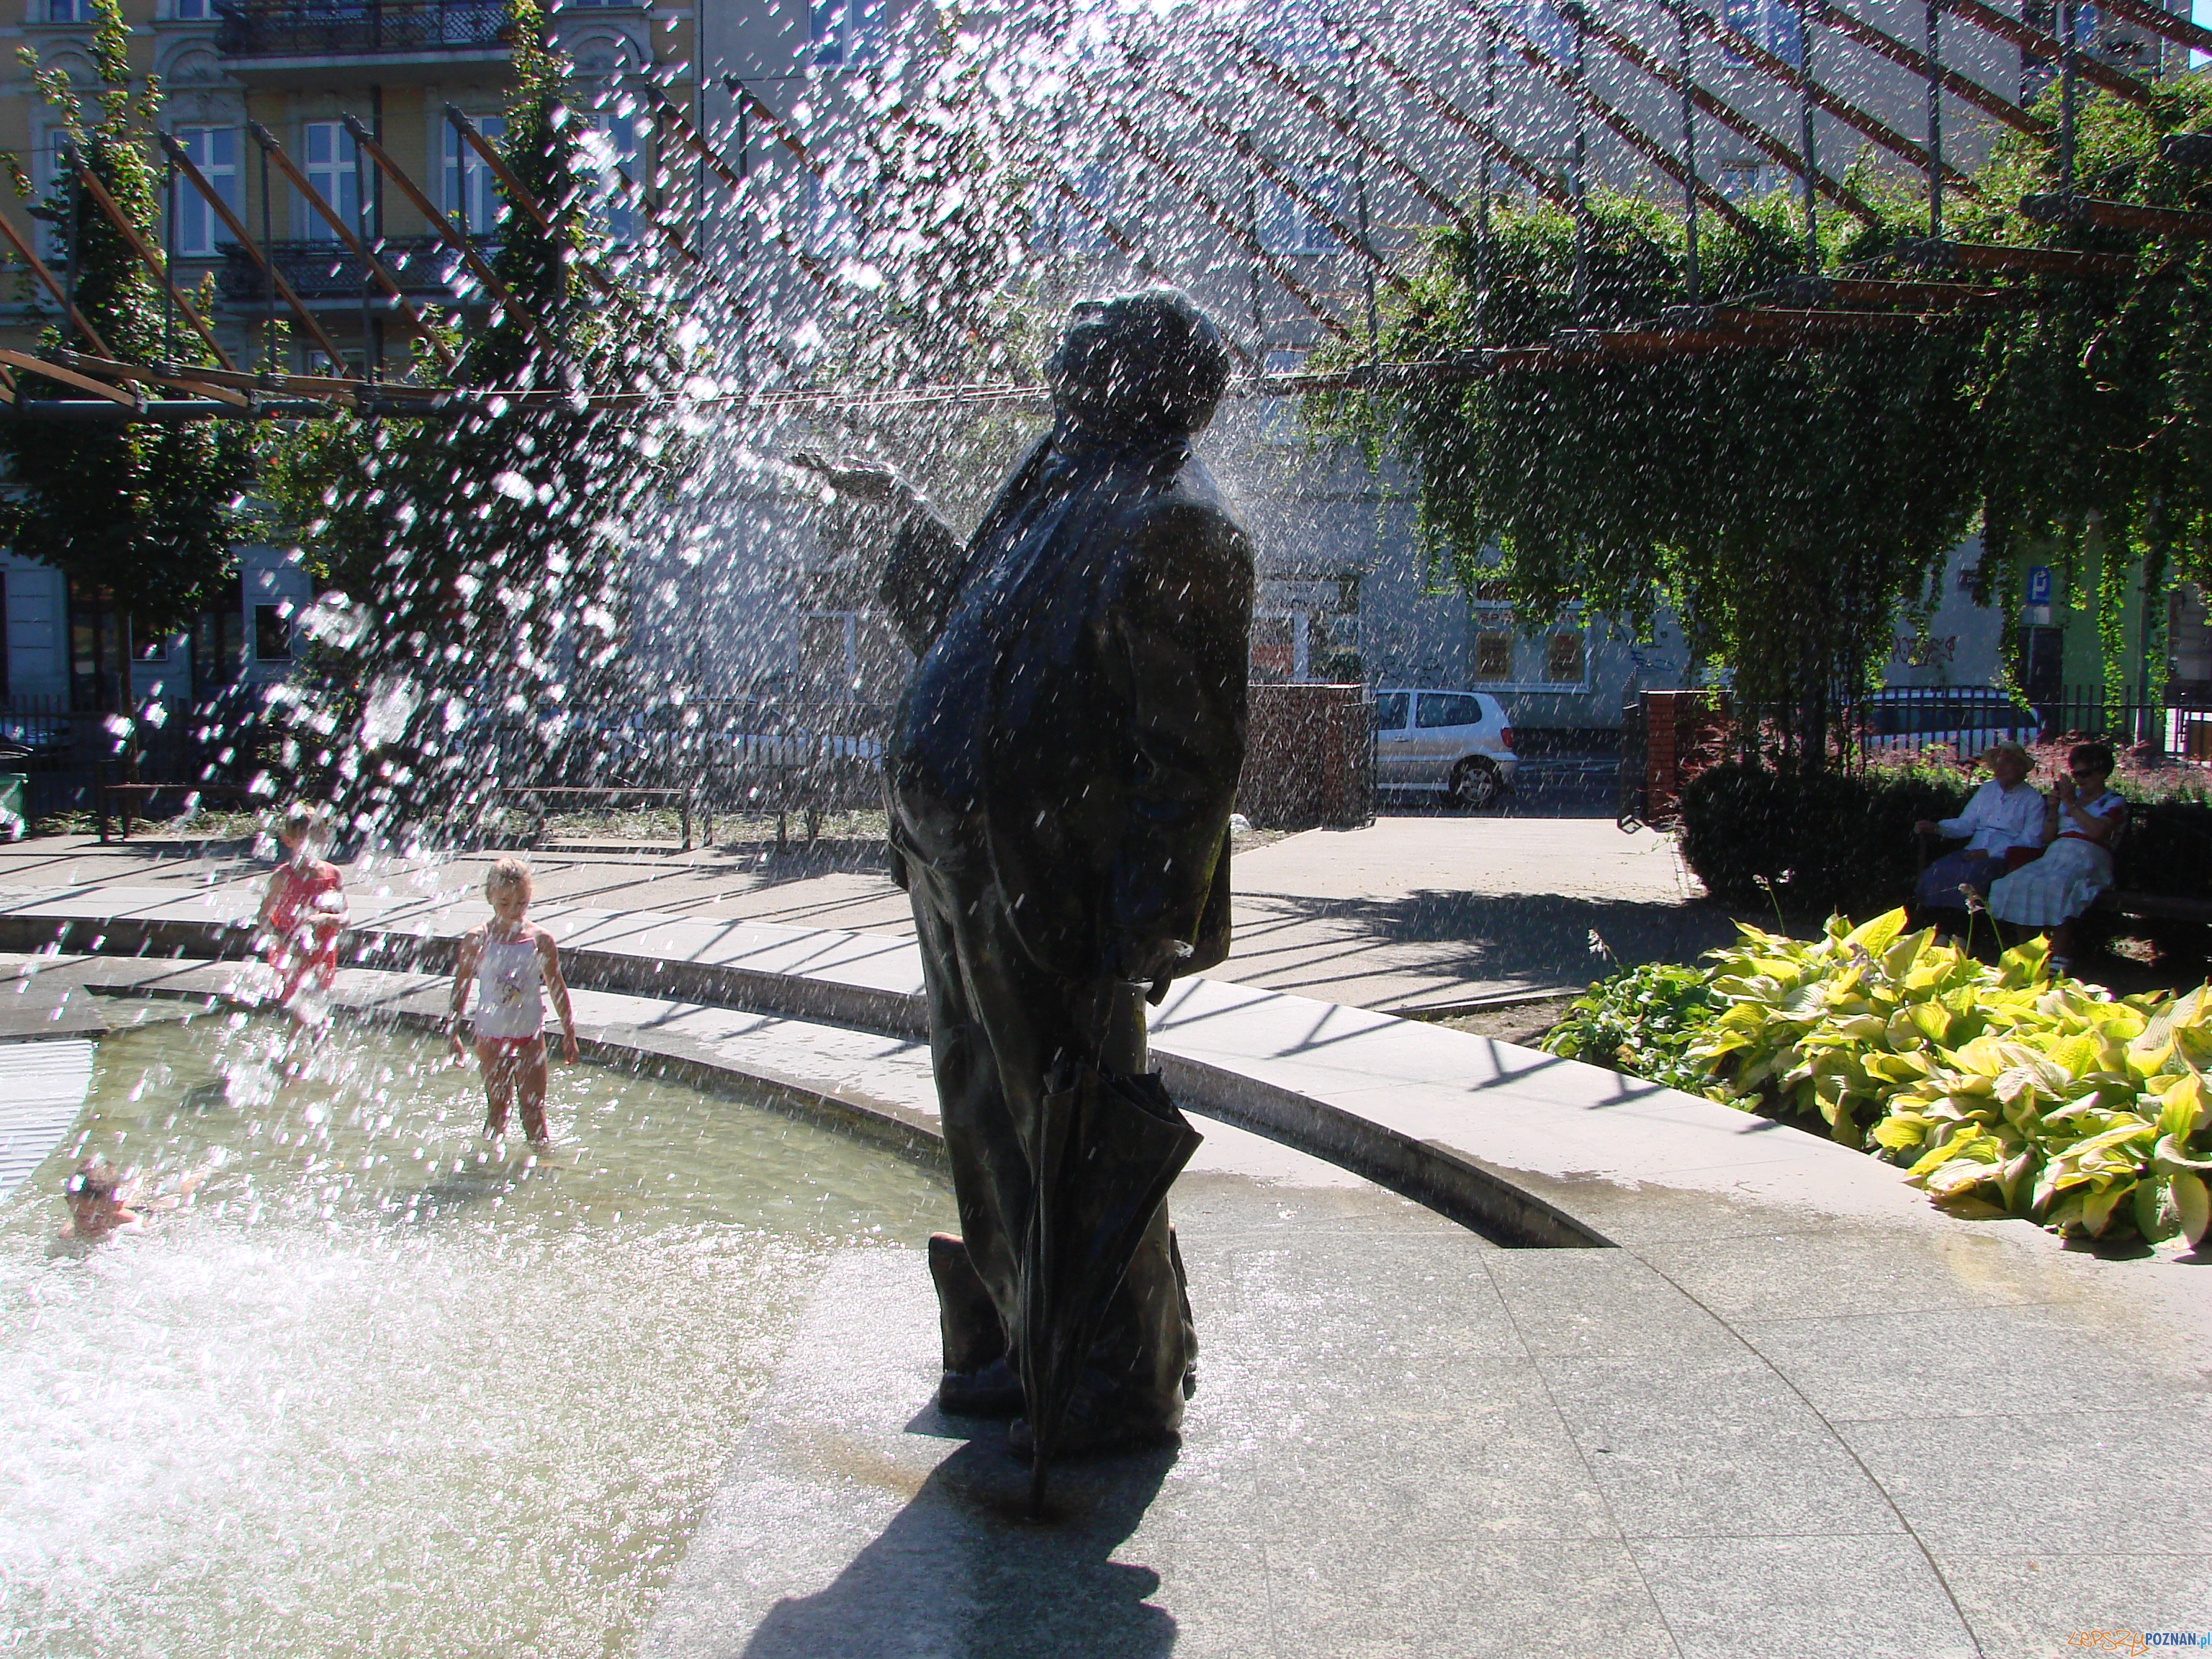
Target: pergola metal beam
1577,88
1288,182
377,269
1776,149
70,377
2164,24
690,136
2049,46
1285,81
1781,70
1912,57
1203,200
443,227
185,165
1493,147
517,192
156,267
51,283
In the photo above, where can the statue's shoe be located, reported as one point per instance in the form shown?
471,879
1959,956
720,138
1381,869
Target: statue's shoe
995,1391
1120,1424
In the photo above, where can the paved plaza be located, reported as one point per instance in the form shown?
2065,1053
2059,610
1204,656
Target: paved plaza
1416,913
1769,1401
1757,1396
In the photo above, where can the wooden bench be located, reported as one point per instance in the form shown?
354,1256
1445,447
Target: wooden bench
2153,906
126,793
543,794
808,774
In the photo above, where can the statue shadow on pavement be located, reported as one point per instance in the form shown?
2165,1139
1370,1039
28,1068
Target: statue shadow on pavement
960,1573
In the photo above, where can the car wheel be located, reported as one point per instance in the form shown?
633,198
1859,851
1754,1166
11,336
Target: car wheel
1474,784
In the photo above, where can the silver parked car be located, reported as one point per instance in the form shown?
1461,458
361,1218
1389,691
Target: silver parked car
1455,744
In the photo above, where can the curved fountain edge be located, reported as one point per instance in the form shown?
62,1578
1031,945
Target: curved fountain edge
1526,1148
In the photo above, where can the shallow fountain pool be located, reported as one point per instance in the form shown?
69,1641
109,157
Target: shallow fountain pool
382,1387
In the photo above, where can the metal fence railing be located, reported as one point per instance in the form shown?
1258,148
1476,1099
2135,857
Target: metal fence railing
264,29
1670,737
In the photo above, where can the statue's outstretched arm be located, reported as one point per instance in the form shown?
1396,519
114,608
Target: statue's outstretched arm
925,555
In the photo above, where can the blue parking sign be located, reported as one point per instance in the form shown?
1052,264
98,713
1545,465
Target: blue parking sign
2039,584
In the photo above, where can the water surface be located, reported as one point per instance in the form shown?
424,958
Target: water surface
385,1388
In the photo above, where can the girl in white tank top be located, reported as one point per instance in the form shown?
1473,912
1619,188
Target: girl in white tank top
509,963
509,972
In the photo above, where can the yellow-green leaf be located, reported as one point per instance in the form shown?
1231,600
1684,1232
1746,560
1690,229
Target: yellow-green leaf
2192,1206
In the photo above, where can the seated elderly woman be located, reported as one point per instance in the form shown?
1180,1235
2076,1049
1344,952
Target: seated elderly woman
2083,819
2004,827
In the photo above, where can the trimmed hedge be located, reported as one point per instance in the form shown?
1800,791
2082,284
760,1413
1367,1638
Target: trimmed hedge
1817,840
1843,841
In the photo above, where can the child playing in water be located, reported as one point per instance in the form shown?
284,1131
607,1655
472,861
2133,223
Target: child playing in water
506,960
303,911
100,1201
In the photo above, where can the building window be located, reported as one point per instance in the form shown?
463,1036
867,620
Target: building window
1292,222
193,11
48,161
1772,24
69,11
1563,658
1493,655
331,171
473,198
1295,34
609,141
846,33
218,648
272,633
1065,228
95,629
214,151
1742,180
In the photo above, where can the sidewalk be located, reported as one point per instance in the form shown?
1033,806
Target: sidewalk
1411,914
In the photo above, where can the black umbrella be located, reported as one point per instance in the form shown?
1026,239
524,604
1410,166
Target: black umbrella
1108,1150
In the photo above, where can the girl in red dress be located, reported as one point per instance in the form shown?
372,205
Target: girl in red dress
303,912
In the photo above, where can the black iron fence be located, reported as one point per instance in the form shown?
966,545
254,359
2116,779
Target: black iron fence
1670,737
327,269
285,28
63,754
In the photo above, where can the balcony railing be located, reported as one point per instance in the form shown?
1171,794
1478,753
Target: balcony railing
289,28
326,270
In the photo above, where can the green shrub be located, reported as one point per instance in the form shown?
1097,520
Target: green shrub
1642,1022
1819,839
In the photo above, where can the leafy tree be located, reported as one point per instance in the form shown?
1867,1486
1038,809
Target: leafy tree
1786,503
2095,399
477,564
1781,501
148,512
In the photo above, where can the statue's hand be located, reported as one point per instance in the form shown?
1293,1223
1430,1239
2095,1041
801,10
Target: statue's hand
869,483
1149,962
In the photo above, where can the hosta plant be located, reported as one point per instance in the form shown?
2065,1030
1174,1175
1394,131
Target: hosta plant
2003,1092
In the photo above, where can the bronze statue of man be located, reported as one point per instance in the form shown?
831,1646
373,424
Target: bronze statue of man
1061,772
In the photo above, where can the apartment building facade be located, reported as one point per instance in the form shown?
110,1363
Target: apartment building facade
1277,194
296,70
